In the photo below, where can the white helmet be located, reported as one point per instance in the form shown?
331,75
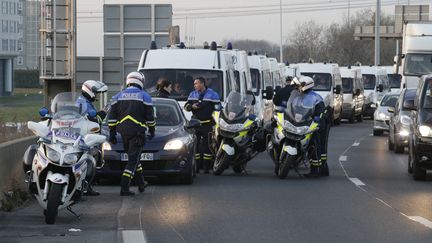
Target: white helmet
306,83
295,82
91,87
135,78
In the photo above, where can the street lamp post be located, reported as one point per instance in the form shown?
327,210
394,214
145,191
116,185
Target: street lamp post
377,32
280,25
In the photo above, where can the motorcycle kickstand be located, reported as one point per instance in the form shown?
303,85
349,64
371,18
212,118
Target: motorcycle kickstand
78,216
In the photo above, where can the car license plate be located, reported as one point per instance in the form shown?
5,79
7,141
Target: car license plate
144,157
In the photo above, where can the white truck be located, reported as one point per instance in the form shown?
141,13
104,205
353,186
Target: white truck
416,56
182,66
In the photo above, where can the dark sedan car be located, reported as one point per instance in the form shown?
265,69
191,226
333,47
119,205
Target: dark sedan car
170,153
400,120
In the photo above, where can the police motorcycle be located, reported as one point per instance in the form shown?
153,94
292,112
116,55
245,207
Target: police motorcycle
57,167
293,134
233,141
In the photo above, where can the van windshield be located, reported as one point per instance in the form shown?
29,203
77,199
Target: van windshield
369,81
395,80
347,85
418,64
323,81
255,75
182,81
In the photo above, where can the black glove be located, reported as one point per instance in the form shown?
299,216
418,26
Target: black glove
151,133
102,114
112,137
188,107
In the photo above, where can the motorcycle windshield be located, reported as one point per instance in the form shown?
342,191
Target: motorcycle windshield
68,106
300,108
237,106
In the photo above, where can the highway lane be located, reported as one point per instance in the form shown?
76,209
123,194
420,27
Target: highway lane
256,207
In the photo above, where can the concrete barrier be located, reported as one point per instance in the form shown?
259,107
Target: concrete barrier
11,154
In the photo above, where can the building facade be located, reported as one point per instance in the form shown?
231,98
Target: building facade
11,20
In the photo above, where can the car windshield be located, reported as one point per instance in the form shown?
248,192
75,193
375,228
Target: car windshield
427,101
418,64
369,81
347,85
182,81
389,100
395,80
166,114
255,75
323,81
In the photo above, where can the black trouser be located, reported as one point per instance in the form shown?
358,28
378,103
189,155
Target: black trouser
203,155
320,139
133,146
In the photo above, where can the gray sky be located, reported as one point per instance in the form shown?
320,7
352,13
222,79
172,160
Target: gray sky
207,20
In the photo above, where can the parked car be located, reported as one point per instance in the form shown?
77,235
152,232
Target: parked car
420,139
170,153
400,121
382,115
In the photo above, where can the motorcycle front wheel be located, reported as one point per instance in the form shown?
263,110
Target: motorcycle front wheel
285,166
54,200
220,164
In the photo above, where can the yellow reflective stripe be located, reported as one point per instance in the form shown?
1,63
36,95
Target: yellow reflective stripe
205,121
127,175
280,117
139,169
128,117
247,123
216,115
313,126
242,134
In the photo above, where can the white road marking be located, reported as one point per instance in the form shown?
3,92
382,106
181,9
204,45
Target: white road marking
356,181
422,221
356,144
132,236
74,230
343,158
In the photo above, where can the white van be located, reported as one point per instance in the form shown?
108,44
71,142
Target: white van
394,79
182,66
376,85
282,68
242,74
353,94
262,86
328,84
275,73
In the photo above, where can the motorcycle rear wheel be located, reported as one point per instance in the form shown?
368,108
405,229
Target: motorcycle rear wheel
54,200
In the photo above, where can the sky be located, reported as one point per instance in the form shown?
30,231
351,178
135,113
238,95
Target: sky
208,20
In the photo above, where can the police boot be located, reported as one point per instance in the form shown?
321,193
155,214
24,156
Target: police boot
139,179
314,170
125,183
91,192
324,168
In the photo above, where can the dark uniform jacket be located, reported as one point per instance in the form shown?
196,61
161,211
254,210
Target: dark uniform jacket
131,112
162,94
282,96
206,102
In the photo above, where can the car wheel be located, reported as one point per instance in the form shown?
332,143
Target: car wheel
419,174
390,143
189,177
377,132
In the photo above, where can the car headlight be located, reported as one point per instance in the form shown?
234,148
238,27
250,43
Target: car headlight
52,155
425,131
176,143
106,146
405,120
383,116
230,127
70,158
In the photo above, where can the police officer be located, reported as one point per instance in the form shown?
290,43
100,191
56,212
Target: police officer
318,165
282,95
89,91
132,115
202,102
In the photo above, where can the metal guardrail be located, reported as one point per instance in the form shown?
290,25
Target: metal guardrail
11,154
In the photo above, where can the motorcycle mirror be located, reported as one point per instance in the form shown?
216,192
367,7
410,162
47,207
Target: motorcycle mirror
43,111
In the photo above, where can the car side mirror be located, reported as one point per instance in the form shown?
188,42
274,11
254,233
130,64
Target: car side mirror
193,123
409,105
391,109
380,88
338,89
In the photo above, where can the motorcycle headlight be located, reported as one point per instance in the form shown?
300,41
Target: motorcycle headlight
70,158
425,131
230,127
403,133
52,155
177,143
293,129
405,120
106,146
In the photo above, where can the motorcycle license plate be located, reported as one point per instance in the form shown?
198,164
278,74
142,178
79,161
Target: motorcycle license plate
67,133
144,157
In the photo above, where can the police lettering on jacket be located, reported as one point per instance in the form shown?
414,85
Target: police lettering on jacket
131,112
206,101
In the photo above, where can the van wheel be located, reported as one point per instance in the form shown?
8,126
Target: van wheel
419,174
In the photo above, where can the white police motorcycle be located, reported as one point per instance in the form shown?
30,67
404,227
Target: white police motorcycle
57,167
